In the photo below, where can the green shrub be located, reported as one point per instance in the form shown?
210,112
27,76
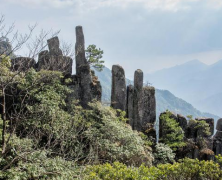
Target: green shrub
111,139
172,133
187,169
94,135
163,154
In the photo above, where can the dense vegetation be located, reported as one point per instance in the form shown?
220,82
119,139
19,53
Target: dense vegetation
45,136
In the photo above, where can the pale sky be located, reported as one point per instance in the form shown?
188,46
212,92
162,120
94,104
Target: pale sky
144,34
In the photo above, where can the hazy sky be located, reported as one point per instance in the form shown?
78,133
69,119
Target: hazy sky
145,34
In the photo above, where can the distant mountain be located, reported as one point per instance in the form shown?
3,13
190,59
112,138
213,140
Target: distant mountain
165,99
195,82
105,78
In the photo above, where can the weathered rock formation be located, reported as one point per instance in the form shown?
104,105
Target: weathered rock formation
85,85
53,59
118,95
139,102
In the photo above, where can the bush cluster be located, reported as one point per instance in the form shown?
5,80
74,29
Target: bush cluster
187,169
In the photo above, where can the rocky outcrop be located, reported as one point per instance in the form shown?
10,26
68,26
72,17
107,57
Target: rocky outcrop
139,102
53,59
85,85
118,95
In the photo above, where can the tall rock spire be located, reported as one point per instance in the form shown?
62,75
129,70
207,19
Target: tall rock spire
80,50
118,96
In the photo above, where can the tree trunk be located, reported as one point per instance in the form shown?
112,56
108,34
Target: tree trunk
4,121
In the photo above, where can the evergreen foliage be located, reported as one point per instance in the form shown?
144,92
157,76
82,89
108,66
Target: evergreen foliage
94,56
173,133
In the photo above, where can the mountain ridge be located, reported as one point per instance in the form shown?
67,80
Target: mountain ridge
193,81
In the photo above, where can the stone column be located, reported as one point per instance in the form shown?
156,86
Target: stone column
80,50
118,95
129,111
138,100
149,105
90,87
149,112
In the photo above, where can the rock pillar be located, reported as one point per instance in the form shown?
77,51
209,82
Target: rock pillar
130,93
80,50
138,100
118,96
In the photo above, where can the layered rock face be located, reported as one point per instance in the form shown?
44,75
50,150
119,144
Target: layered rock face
85,85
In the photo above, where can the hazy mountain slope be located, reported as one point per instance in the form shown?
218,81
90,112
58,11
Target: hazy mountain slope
105,78
165,99
194,82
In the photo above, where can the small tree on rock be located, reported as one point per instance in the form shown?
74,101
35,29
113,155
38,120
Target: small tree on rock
94,56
